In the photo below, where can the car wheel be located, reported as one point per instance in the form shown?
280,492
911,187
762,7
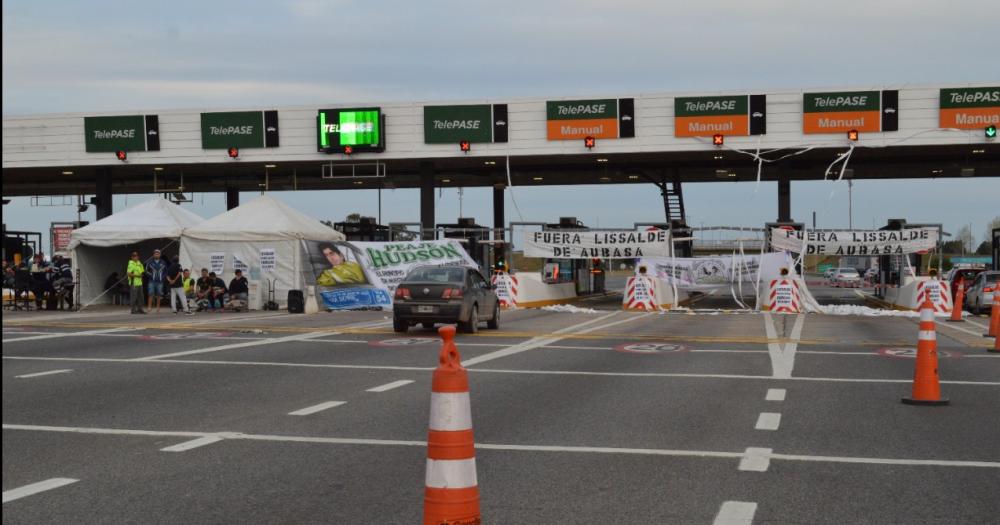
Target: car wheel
494,323
400,326
428,326
472,326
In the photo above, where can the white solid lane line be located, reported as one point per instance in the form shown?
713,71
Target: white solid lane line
489,370
960,329
194,443
317,408
257,342
35,488
68,334
768,421
775,394
534,342
752,457
390,386
782,357
756,460
40,374
735,513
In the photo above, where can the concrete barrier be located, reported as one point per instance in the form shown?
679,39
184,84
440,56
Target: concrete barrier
532,292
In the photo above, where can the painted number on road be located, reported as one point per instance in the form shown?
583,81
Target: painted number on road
650,348
910,353
405,341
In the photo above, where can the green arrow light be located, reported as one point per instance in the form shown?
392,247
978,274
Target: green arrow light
991,132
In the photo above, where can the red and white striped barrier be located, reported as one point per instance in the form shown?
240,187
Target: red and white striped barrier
937,293
784,297
640,294
505,286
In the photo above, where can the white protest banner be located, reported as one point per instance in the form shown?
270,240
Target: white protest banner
713,272
353,275
268,260
855,242
217,262
623,244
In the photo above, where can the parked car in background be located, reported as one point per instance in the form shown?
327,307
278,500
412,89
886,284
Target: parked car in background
433,294
846,278
979,296
828,274
968,274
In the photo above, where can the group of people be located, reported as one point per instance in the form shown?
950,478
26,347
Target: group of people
50,282
161,277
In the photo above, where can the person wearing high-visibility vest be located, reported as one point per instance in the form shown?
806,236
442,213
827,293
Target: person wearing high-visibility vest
134,274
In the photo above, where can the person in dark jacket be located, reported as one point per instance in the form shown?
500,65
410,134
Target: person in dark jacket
218,291
238,288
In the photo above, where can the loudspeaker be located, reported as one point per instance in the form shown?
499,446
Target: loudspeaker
296,302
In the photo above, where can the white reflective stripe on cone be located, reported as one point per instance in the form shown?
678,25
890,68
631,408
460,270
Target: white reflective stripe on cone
450,411
927,335
927,314
451,473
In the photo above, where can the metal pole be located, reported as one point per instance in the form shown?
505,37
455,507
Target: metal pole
850,205
380,202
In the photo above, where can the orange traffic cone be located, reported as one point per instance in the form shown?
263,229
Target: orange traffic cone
956,309
995,320
994,314
926,384
451,493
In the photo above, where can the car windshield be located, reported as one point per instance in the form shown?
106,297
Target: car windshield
848,271
992,277
436,275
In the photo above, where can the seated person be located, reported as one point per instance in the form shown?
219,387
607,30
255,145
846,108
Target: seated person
238,288
40,283
217,291
341,271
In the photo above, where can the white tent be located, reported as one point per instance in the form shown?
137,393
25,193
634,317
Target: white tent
104,246
239,237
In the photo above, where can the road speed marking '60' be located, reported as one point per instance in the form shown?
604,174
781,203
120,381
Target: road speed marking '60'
650,348
405,341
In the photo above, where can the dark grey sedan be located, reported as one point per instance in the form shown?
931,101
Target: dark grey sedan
450,295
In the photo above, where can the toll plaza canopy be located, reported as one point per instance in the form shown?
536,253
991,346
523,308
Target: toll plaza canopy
901,132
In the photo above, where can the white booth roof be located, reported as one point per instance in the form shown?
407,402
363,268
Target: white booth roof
264,218
154,219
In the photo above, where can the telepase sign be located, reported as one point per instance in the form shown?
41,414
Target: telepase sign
857,242
240,129
624,244
121,133
474,123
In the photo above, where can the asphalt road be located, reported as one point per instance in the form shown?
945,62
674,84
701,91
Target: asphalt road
606,417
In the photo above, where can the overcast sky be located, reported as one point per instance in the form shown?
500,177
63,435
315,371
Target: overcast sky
113,56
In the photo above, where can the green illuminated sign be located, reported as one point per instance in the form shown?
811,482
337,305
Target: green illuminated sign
359,128
241,129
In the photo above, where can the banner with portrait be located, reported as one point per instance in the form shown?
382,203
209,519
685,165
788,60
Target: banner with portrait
353,275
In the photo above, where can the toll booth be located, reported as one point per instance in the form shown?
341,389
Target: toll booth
474,238
768,226
892,268
588,274
996,249
365,230
20,246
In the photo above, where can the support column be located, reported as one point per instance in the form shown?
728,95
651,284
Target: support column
784,199
103,193
498,215
232,198
427,200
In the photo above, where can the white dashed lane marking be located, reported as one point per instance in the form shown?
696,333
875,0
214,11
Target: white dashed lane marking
756,459
35,488
194,443
317,408
768,421
40,374
390,386
775,394
735,513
